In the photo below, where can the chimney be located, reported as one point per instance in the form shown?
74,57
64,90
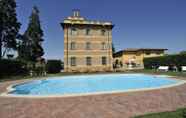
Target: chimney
76,13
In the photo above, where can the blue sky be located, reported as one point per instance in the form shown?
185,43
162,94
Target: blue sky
138,23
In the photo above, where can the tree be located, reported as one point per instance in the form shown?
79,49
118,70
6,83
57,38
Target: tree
116,63
183,52
30,48
25,49
9,25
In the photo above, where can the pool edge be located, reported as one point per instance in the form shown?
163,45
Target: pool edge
10,89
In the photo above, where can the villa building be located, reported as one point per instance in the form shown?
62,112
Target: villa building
87,44
135,57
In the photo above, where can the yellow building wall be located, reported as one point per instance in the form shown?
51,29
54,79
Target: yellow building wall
95,52
137,57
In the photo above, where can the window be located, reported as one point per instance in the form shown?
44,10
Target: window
104,60
73,61
104,46
89,61
103,32
73,46
73,31
88,46
87,31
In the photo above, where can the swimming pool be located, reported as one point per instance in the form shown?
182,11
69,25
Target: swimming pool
92,84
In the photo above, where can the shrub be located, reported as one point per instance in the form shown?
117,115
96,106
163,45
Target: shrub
12,68
53,66
169,60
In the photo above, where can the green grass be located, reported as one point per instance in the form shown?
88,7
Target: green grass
178,74
174,114
9,78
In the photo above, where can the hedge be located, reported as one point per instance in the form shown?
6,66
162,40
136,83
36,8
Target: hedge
53,66
169,60
12,68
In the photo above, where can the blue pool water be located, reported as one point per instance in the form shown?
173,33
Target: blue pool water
91,84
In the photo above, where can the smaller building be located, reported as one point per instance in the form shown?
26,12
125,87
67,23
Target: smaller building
133,57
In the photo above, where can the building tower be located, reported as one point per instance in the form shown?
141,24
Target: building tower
87,44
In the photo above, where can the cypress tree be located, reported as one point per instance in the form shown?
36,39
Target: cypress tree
25,49
33,36
9,25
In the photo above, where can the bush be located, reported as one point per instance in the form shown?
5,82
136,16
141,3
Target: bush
53,66
169,60
12,68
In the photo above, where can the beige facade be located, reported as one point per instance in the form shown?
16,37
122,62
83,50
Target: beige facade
136,56
87,44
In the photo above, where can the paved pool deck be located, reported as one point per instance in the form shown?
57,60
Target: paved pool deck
118,105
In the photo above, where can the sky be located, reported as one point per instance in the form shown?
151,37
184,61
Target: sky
138,23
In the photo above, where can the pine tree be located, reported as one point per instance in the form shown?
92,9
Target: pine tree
183,52
33,36
25,49
9,25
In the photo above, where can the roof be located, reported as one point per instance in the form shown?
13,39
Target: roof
144,49
79,20
119,53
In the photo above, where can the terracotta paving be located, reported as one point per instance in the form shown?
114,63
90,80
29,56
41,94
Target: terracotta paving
123,105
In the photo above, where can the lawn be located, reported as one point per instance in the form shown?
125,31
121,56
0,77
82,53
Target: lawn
180,113
178,74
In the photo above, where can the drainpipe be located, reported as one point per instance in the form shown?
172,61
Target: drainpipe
109,47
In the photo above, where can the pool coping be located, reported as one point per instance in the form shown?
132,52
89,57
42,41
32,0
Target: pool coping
10,89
